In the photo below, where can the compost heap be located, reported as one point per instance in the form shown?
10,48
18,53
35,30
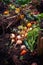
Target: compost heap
20,24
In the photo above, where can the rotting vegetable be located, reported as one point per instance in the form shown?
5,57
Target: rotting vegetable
31,38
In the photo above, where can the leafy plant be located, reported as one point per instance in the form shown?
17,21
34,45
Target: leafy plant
40,15
31,38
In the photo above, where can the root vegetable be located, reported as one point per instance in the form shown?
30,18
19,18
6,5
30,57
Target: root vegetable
23,36
18,32
23,52
12,40
18,37
23,47
19,42
12,36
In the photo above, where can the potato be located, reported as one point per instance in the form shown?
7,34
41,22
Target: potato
23,36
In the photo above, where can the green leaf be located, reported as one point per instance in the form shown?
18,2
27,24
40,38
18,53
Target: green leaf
40,15
22,2
31,38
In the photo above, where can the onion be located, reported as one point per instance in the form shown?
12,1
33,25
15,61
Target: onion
19,42
23,36
18,37
12,40
12,36
23,47
19,32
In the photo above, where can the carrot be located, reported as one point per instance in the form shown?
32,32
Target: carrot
23,52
